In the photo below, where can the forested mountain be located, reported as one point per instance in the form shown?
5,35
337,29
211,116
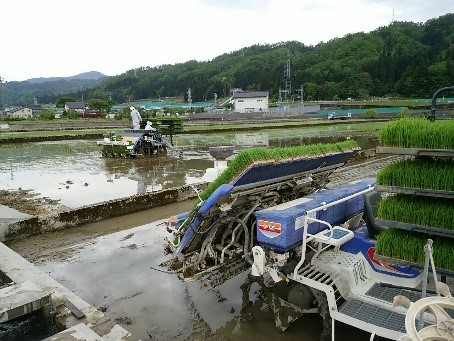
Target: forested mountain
90,75
402,59
47,90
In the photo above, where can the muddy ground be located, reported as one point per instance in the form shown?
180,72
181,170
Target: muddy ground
26,201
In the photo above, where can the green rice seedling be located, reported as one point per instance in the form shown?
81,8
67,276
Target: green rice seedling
422,173
256,155
418,133
248,157
425,211
402,245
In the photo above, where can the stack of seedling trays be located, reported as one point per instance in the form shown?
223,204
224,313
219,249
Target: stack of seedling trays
420,204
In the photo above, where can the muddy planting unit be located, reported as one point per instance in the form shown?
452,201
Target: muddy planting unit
142,142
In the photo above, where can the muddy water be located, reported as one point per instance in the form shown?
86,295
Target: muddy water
75,173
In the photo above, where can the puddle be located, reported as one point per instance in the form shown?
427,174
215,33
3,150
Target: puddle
114,273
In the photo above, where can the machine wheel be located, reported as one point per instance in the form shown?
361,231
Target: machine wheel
301,296
442,329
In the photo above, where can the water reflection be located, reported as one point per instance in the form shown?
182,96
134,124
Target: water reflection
75,173
162,171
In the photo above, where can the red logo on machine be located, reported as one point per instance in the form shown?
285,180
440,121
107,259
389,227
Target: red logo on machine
270,229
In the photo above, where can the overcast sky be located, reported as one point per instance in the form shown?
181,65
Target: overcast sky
47,38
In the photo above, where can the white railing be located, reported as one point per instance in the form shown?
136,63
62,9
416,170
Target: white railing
309,237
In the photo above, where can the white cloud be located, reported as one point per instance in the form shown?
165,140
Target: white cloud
55,38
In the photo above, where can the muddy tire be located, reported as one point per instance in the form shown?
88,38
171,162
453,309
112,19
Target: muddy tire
301,296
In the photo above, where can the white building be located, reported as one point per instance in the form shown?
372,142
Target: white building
20,113
252,101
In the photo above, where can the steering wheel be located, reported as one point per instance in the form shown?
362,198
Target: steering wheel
442,329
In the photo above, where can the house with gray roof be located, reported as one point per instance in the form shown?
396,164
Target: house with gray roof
78,107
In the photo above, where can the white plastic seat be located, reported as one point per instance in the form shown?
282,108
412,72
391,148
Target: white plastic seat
339,236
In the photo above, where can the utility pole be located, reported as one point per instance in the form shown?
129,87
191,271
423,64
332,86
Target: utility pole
301,91
189,98
287,78
1,92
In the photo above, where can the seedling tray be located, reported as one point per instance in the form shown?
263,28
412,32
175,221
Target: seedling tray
415,151
397,261
415,191
416,228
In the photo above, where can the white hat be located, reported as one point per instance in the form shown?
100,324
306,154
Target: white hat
131,108
150,123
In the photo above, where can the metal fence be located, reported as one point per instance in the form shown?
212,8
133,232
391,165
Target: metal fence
271,113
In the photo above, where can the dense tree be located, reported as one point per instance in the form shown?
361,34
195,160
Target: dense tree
397,59
61,101
100,104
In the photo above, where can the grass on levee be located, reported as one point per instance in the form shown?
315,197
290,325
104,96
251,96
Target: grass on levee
44,133
10,135
261,125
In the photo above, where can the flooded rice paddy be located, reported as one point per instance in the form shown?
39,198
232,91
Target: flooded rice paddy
75,174
112,264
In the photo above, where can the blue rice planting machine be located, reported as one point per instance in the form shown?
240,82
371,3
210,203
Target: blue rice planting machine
279,220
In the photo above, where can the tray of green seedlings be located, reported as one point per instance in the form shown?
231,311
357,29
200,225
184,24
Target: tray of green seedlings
433,216
423,176
251,156
418,137
400,247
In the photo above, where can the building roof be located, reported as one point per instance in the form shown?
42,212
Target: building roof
18,109
250,94
75,105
